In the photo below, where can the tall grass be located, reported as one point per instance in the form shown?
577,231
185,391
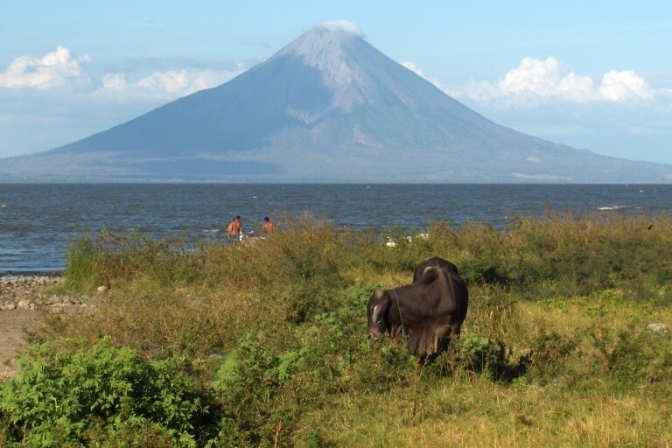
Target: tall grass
555,349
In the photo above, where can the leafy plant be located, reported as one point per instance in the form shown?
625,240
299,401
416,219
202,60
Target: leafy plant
250,384
64,396
481,354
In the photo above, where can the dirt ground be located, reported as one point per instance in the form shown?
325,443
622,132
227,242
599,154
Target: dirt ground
23,304
12,335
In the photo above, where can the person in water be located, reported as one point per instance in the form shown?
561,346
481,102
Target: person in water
268,227
235,229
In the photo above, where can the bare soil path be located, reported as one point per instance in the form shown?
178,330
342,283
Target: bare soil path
23,302
12,335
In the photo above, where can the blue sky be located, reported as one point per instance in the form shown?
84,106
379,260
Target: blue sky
594,75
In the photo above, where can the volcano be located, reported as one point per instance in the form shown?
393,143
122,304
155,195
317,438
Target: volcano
328,107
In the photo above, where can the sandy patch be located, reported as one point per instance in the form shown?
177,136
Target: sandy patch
23,302
13,326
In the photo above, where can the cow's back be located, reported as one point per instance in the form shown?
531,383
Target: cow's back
451,291
434,262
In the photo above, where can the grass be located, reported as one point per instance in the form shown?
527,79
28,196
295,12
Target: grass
481,413
555,350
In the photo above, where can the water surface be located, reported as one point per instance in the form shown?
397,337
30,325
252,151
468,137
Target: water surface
37,221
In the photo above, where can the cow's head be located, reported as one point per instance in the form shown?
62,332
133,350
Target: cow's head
377,314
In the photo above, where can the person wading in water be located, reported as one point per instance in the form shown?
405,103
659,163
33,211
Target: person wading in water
235,229
268,227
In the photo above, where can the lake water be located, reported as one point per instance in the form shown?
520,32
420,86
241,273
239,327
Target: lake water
37,221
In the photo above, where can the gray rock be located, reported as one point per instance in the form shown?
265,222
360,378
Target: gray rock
28,293
658,328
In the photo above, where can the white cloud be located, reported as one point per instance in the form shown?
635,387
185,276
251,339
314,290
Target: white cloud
184,82
62,69
420,72
622,85
545,78
161,85
114,82
536,80
57,69
342,25
170,82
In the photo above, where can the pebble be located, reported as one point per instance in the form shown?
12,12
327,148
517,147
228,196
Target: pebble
28,293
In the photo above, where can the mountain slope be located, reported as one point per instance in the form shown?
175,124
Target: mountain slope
327,107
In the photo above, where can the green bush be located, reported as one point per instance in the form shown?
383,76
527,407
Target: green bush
84,264
259,407
548,355
640,355
73,396
481,354
99,259
634,354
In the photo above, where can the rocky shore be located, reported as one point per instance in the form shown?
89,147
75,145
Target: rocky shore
29,293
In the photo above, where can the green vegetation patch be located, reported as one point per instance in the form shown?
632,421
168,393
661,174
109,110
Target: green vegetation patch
264,343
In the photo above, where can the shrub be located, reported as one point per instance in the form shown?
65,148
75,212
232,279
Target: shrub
548,355
64,396
84,264
480,354
634,354
641,355
251,385
99,259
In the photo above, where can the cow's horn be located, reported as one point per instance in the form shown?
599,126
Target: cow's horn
376,312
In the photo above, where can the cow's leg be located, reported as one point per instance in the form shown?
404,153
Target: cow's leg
436,343
453,337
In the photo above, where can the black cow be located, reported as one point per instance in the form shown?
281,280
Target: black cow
428,313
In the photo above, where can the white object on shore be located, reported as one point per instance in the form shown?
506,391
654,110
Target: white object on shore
102,289
392,243
658,328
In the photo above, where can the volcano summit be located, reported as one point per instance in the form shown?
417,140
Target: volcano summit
328,107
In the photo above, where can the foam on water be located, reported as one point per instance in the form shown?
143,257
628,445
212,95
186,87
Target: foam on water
613,207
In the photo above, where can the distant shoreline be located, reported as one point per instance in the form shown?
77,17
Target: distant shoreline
25,274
